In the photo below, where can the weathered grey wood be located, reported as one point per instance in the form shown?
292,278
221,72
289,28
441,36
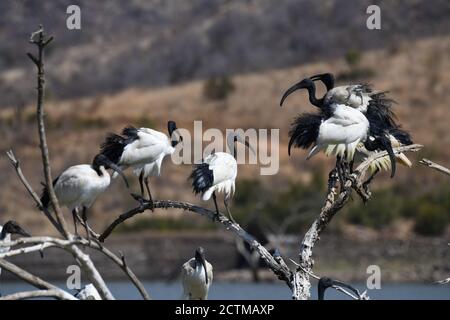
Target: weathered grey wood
435,166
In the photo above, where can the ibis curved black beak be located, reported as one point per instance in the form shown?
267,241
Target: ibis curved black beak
111,165
200,258
325,283
304,84
386,143
345,285
21,231
119,171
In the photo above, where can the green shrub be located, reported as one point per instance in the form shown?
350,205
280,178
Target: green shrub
381,210
431,220
353,57
218,88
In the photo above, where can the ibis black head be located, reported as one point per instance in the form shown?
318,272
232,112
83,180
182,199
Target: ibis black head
12,227
382,142
201,260
175,137
102,160
307,84
232,138
326,78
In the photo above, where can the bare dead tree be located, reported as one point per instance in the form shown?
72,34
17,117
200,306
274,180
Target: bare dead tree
298,279
445,171
69,242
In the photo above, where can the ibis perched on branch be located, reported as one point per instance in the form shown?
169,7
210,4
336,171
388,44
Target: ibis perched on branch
217,173
378,110
196,276
9,228
79,186
143,150
337,129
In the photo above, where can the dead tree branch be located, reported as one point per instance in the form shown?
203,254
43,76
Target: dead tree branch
435,166
280,269
41,41
298,281
32,279
38,244
16,164
57,294
333,204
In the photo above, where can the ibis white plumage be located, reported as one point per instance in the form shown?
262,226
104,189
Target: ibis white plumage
78,186
141,149
217,173
196,276
9,228
337,129
378,110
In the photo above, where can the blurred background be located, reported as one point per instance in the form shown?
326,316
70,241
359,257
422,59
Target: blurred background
227,63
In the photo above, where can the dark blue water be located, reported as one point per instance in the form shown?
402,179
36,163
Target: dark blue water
243,291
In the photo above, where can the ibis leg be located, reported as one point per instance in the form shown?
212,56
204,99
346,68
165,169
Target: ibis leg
140,198
339,171
147,186
141,183
369,180
351,166
332,179
86,226
215,203
225,202
74,216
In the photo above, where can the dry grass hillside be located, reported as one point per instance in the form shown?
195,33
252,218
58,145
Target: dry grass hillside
416,74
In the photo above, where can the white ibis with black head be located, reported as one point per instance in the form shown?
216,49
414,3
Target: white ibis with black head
196,276
337,129
10,228
143,150
384,132
78,186
217,173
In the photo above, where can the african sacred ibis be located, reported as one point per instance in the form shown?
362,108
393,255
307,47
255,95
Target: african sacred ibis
79,186
143,150
325,283
377,109
196,276
218,172
337,129
88,293
9,228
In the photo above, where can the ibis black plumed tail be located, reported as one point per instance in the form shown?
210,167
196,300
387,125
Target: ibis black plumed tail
401,135
202,178
130,132
304,131
114,144
380,110
45,196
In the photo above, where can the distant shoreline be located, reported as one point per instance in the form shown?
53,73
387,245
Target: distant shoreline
159,256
